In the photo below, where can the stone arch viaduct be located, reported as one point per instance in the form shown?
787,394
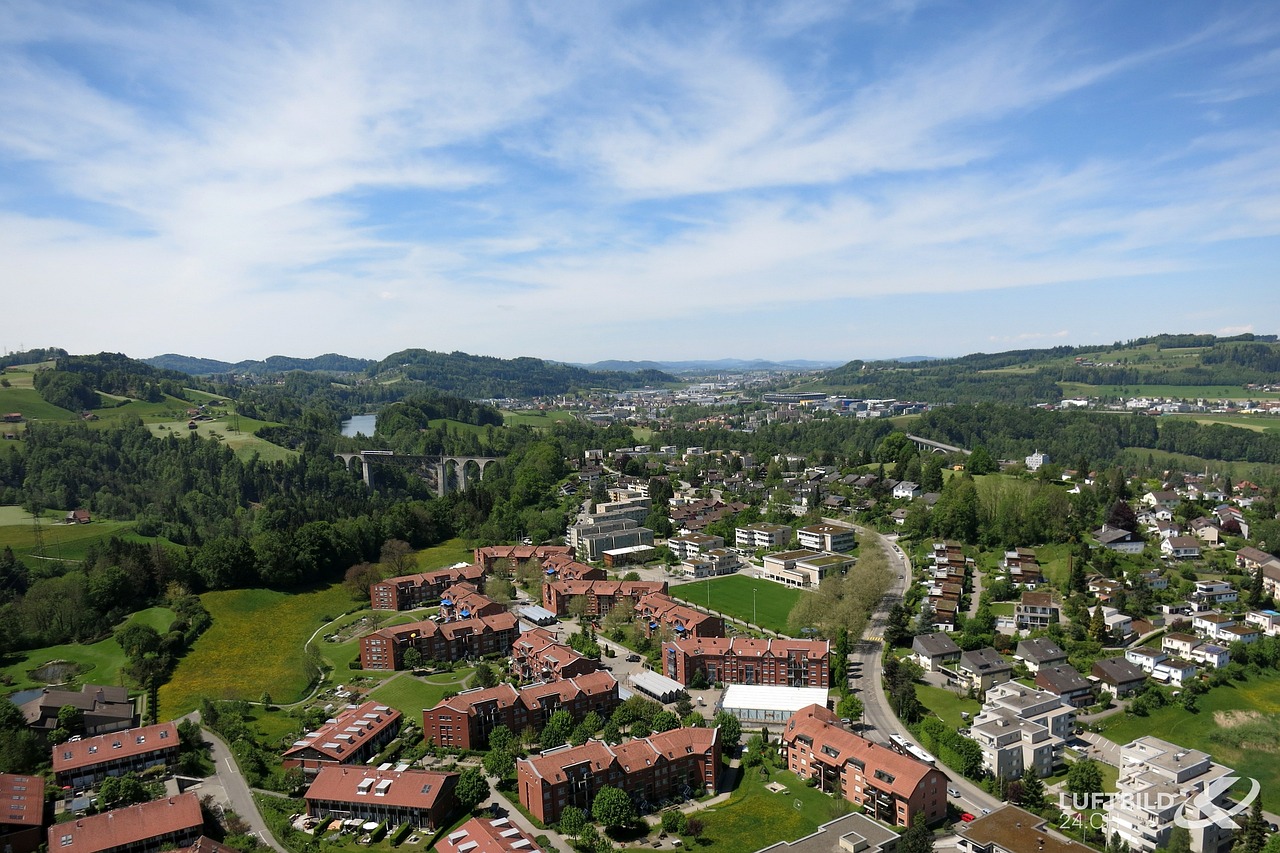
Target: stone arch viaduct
462,466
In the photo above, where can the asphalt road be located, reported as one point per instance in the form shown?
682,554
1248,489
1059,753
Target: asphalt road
238,797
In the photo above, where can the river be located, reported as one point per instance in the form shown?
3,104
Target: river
360,425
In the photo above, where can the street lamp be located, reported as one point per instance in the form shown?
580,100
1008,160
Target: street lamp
754,621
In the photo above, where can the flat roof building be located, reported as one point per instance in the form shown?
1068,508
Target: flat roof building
754,704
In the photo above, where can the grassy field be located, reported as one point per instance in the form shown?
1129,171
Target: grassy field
732,595
61,541
1186,462
946,705
1187,392
1223,708
445,554
1257,423
244,442
254,646
537,419
101,661
754,817
409,694
1053,563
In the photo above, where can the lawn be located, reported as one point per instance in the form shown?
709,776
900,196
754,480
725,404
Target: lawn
733,596
1205,731
61,541
445,554
537,419
244,442
410,695
1053,563
255,645
102,661
1257,423
946,705
29,402
1189,392
754,818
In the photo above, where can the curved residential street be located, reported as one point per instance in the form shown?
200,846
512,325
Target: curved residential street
236,795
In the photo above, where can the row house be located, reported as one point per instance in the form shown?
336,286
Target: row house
657,610
738,660
22,808
354,736
462,639
1221,628
1022,730
538,655
85,763
515,557
1023,568
465,721
144,828
463,601
410,591
420,798
762,534
1191,648
944,614
601,595
675,763
488,835
888,785
693,545
948,551
565,568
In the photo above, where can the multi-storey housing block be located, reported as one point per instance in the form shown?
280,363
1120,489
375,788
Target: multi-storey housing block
354,736
461,639
601,595
783,663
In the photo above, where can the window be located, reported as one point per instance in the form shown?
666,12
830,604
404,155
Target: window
66,841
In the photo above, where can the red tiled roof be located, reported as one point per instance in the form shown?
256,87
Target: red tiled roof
346,732
113,746
21,800
505,695
128,825
630,756
745,647
414,789
824,728
481,835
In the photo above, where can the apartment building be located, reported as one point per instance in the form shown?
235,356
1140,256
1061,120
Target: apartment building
539,656
465,721
145,828
693,545
657,610
516,557
463,601
1022,730
762,535
1157,780
889,786
423,799
737,660
85,763
354,736
1010,829
565,568
461,639
601,595
835,538
674,763
488,835
410,591
22,815
717,561
804,569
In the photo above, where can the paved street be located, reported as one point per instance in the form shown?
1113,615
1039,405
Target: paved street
236,795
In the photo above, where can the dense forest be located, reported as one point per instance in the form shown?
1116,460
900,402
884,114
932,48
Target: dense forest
484,377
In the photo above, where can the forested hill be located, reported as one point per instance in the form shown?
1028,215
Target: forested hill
479,376
1033,376
327,363
75,380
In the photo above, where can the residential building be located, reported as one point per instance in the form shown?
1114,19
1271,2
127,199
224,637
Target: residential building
657,610
102,709
568,569
1177,643
463,601
592,540
1214,593
84,763
1162,499
889,786
1213,625
906,490
1157,780
1022,729
740,660
537,655
673,763
835,538
465,721
1145,658
1174,671
516,557
1035,460
601,595
762,535
1010,829
1118,624
462,639
145,828
22,813
1209,655
1036,610
1266,621
1039,652
718,561
488,835
1063,680
417,797
410,591
1181,547
854,833
354,736
1118,539
1119,676
804,569
692,545
980,669
935,651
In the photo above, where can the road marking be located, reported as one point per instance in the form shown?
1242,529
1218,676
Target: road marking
230,765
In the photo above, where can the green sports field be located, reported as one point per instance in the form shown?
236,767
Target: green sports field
760,602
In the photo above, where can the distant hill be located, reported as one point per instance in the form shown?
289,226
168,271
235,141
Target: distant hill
704,366
481,377
327,363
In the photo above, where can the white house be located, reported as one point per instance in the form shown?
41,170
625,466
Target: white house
907,489
1035,460
1181,547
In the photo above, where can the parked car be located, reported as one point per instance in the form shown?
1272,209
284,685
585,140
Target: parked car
966,817
953,792
633,658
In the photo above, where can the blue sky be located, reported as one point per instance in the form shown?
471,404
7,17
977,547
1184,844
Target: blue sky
635,180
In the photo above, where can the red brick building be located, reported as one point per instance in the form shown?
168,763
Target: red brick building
658,610
679,762
145,828
602,596
484,835
85,763
464,601
353,737
565,568
784,663
537,655
890,787
448,641
21,813
410,591
465,720
515,557
418,797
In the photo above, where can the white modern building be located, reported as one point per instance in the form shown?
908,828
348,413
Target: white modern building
1021,729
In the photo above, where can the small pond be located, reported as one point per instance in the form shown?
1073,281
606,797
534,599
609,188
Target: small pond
56,671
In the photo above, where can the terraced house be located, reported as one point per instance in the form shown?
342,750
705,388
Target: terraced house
465,721
422,799
537,654
409,591
889,786
353,737
657,610
462,639
601,596
85,763
782,663
675,763
145,828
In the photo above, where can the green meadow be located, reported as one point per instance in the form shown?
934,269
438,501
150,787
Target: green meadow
760,602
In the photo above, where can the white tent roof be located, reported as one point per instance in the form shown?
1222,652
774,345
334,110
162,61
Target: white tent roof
764,698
